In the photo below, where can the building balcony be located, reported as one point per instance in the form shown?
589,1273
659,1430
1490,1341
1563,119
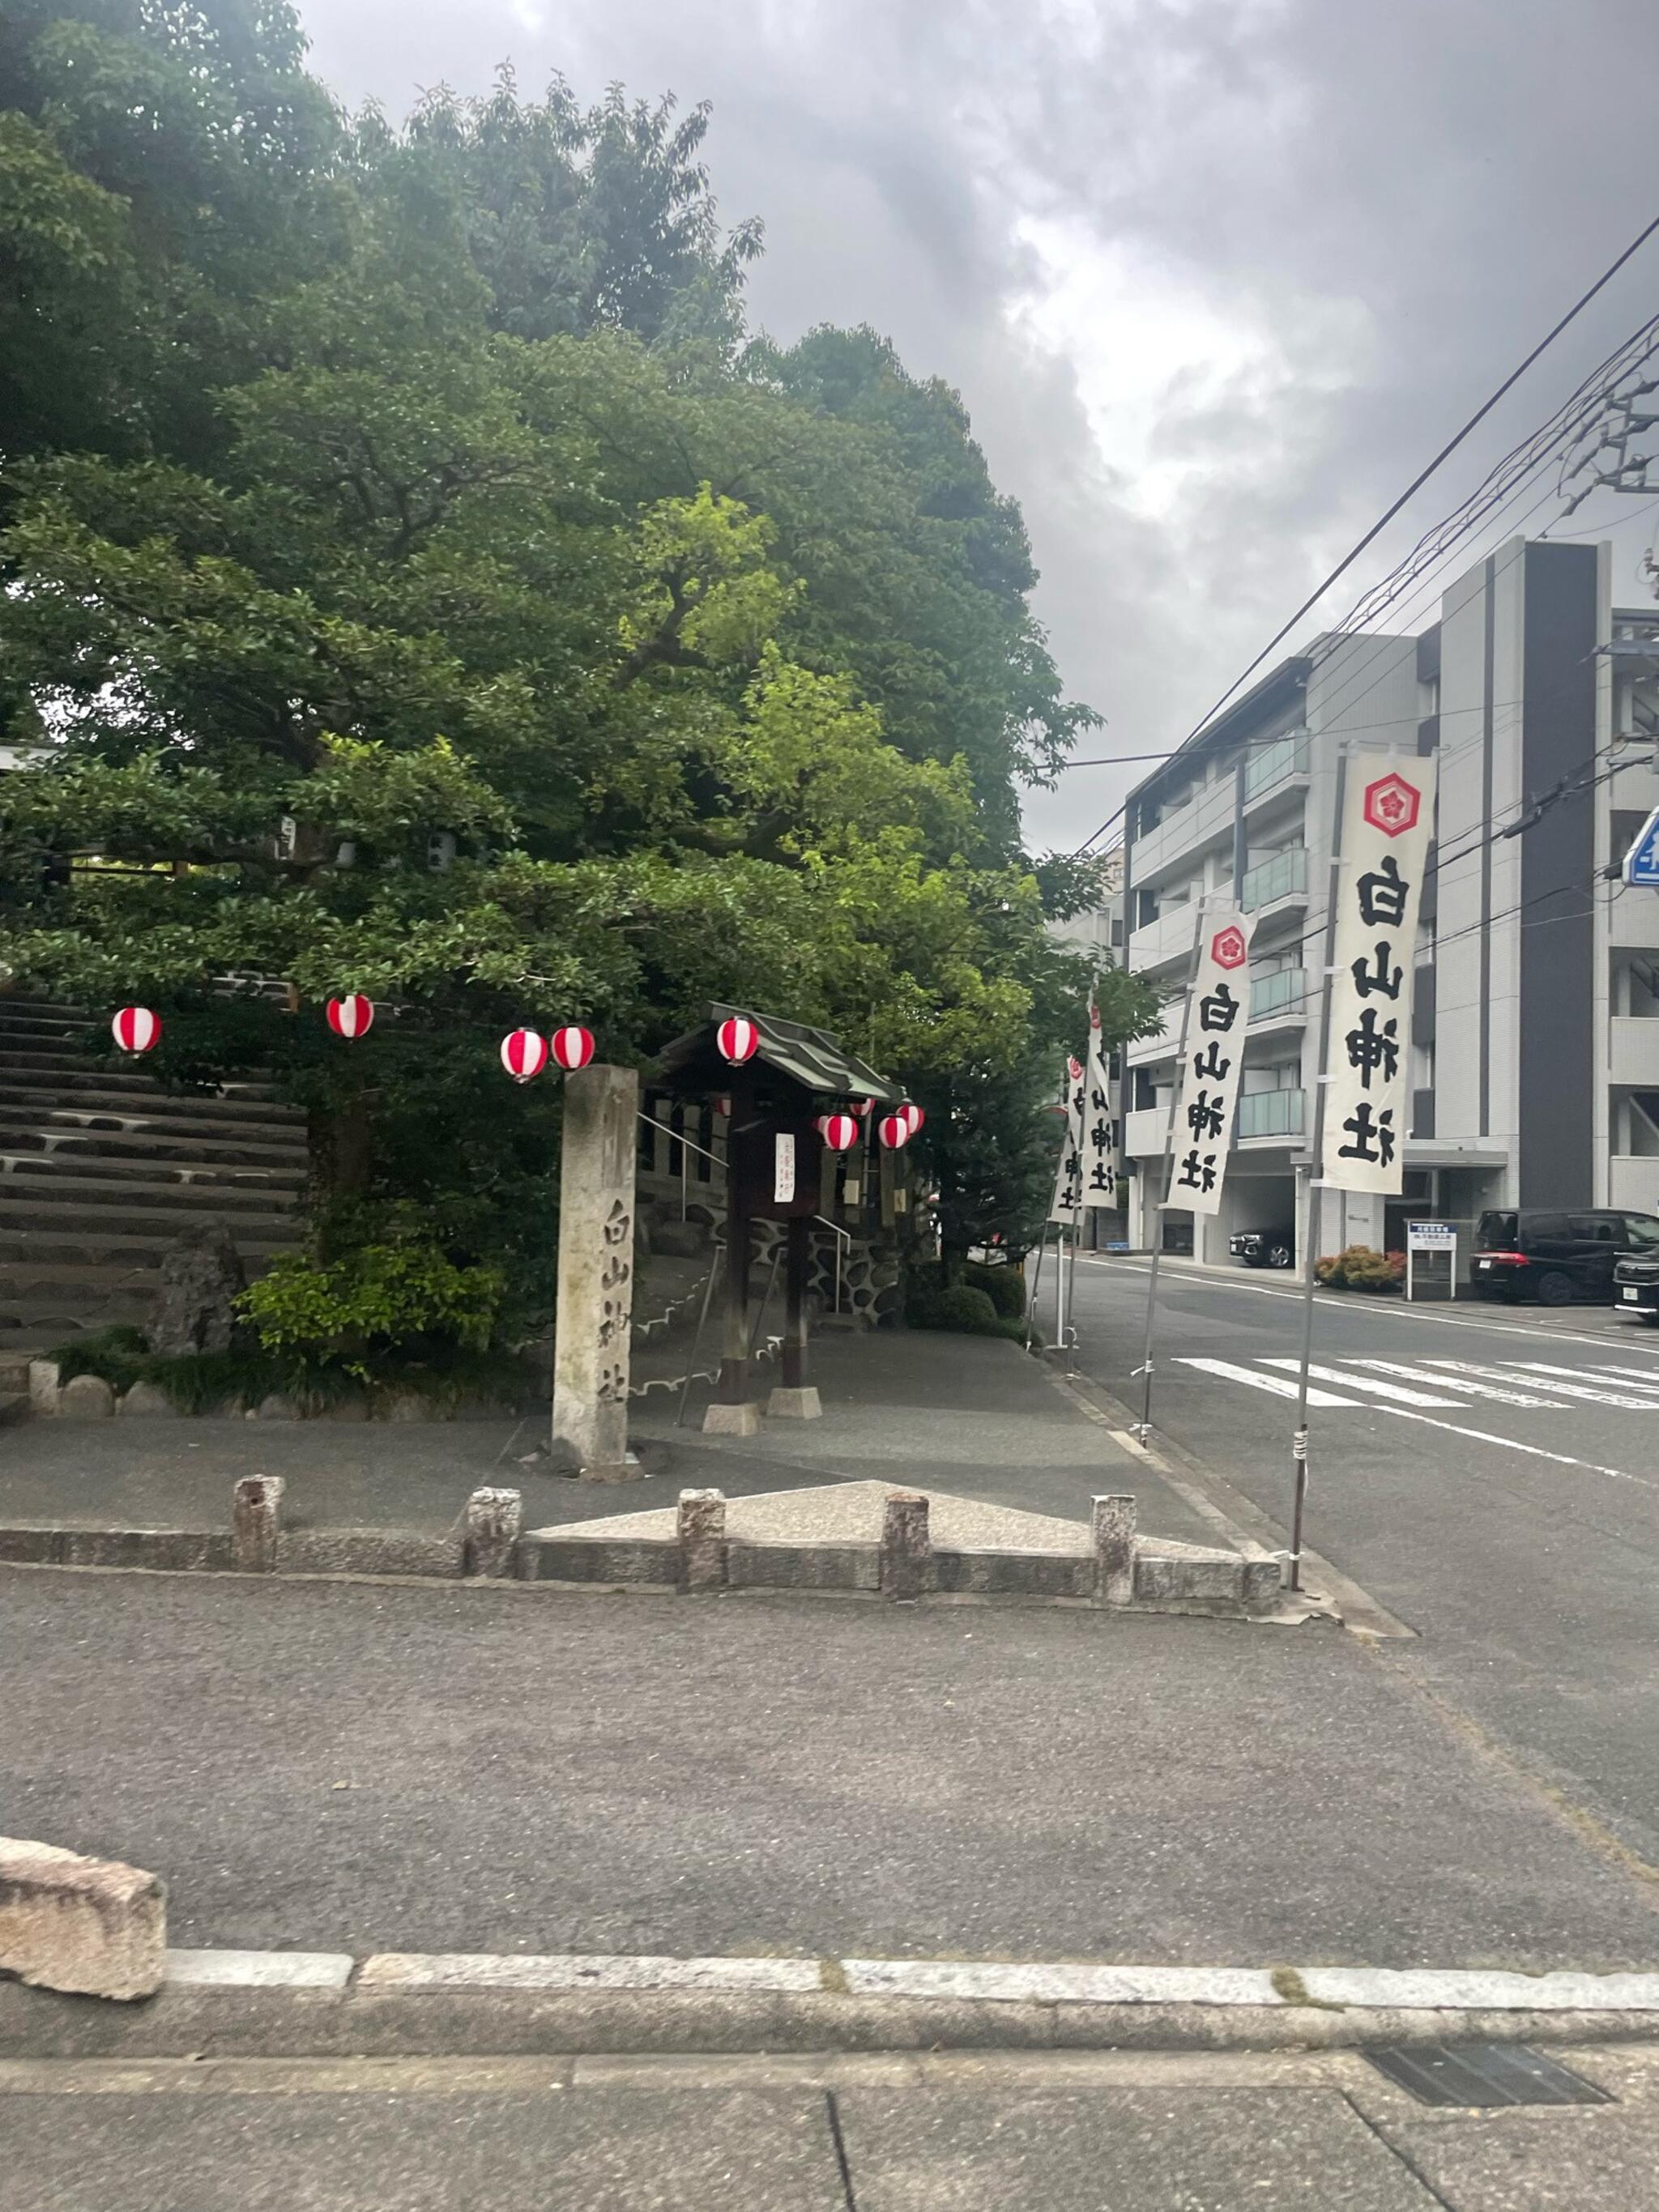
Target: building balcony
1170,939
1268,1114
1271,768
1144,1130
1633,1051
1633,1180
1632,918
1206,820
1276,884
1280,1000
1144,1051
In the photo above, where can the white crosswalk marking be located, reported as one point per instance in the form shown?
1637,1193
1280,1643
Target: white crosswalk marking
1462,1385
1275,1384
1369,1382
1645,1376
1562,1389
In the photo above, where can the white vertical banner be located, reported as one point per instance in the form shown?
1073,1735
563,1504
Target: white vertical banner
1067,1206
1099,1175
1388,819
1219,1015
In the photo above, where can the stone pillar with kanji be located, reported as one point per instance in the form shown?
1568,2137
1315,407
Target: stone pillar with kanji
594,1319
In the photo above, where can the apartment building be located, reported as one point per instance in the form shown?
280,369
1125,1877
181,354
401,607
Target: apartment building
1535,1031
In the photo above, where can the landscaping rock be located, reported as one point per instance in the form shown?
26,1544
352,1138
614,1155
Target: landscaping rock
278,1408
407,1405
147,1398
202,1278
347,1409
87,1398
93,1926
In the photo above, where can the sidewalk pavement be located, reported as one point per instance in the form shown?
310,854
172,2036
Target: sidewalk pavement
1004,2132
974,1415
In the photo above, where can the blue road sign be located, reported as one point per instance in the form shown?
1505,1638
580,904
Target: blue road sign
1642,861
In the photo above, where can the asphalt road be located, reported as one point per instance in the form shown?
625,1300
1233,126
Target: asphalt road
1515,1524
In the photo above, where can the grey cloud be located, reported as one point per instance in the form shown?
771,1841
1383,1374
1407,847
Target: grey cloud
1392,203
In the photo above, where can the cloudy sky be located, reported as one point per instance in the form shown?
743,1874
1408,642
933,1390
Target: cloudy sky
1215,277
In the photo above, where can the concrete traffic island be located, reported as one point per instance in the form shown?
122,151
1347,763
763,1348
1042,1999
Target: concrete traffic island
855,1539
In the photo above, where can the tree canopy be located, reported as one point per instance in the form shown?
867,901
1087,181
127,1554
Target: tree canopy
421,484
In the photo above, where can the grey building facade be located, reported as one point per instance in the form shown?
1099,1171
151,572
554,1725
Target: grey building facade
1535,1034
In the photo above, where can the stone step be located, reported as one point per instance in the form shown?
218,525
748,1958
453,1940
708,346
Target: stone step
24,1082
36,1070
56,1248
61,1142
96,1276
44,1167
62,1206
141,1120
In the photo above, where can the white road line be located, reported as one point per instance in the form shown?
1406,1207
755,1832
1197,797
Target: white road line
1631,1375
1200,1279
1465,1387
1509,1444
1519,1369
1350,1382
1274,1383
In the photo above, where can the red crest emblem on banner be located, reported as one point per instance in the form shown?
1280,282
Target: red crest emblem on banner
1392,804
1228,948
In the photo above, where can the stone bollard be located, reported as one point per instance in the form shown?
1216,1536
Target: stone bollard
92,1926
907,1549
701,1526
256,1523
1114,1549
491,1522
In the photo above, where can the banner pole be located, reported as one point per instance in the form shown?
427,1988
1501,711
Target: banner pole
1143,1427
1314,1209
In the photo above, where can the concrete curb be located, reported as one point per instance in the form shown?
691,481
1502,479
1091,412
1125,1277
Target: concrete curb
1113,1568
295,2004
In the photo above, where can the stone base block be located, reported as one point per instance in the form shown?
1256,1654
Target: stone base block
630,1469
1177,1572
92,1926
1015,1574
368,1551
732,1420
802,1566
545,1556
790,1403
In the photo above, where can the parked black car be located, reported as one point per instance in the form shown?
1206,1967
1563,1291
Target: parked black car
1635,1287
1264,1248
1526,1252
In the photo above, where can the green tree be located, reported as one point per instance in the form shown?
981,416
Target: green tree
709,669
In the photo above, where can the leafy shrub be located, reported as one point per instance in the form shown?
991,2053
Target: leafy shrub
1360,1268
372,1300
1004,1286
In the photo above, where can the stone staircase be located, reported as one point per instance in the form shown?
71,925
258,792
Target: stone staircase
99,1170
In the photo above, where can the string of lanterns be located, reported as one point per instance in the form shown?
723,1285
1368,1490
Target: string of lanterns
524,1052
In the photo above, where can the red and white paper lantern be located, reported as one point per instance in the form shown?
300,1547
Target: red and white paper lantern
523,1054
573,1047
893,1131
838,1131
134,1029
738,1038
914,1115
353,1016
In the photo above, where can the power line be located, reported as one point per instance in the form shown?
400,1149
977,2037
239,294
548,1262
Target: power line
1415,486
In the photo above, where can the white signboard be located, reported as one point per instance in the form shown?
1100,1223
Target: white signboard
1067,1206
1429,1236
1430,1259
1387,822
783,1167
1215,1060
1099,1175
